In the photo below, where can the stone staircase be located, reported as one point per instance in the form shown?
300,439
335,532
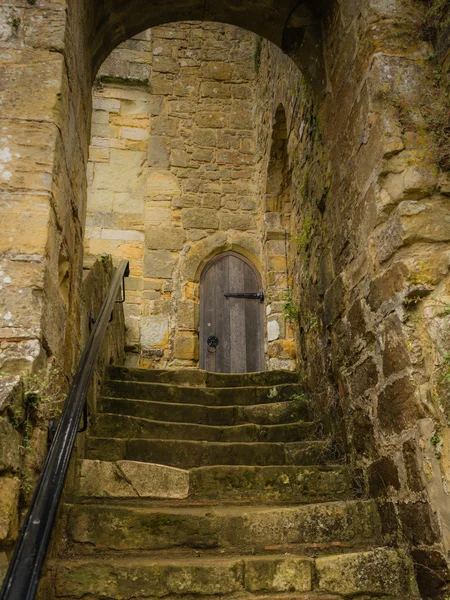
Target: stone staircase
201,485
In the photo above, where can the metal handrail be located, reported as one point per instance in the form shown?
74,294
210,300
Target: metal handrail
22,578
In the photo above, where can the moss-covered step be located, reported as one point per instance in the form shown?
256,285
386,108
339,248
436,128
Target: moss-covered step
136,480
120,426
110,527
187,454
196,377
223,396
276,484
383,574
127,578
273,413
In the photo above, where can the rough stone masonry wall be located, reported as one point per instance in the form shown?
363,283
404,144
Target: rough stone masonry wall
370,257
26,405
173,180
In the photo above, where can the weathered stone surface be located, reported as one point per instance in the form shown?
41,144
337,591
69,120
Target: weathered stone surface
154,331
124,479
10,441
9,500
286,575
199,218
232,528
3,566
382,475
398,406
164,238
379,571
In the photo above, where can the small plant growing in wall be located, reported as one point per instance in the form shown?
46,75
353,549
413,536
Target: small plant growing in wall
304,236
43,392
436,441
289,311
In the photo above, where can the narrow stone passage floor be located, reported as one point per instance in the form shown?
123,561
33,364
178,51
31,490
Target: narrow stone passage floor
198,484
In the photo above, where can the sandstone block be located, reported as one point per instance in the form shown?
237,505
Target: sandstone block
205,137
156,215
186,345
37,79
162,183
242,222
129,204
9,500
220,71
121,174
199,218
210,89
164,64
10,441
215,120
154,331
158,263
164,126
187,313
164,238
181,88
125,479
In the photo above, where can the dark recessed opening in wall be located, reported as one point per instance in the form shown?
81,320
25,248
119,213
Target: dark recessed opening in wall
278,173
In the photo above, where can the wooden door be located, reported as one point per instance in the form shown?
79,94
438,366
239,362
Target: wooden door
231,328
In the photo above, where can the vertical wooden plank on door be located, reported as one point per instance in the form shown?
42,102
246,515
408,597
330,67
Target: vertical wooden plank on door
238,347
223,317
207,318
253,323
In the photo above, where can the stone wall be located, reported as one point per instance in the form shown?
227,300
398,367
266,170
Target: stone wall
27,405
370,257
173,182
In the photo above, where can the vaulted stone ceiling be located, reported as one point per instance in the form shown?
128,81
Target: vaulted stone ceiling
292,25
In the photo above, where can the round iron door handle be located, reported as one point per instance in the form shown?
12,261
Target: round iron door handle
212,341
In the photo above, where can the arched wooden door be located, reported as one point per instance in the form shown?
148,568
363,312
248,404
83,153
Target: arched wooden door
231,316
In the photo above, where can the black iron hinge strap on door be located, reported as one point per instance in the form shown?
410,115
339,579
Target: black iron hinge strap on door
253,296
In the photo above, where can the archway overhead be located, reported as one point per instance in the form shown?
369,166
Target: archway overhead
292,25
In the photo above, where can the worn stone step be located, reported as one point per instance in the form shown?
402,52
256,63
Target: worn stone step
381,573
196,377
120,426
99,527
127,578
224,396
272,413
135,480
187,454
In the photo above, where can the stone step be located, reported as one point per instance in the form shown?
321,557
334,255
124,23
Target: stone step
135,480
187,454
93,528
196,377
272,413
159,392
120,426
374,574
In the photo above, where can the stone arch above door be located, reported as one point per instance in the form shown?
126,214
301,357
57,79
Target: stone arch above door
294,27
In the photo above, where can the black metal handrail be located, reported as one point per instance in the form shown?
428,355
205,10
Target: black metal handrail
22,578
